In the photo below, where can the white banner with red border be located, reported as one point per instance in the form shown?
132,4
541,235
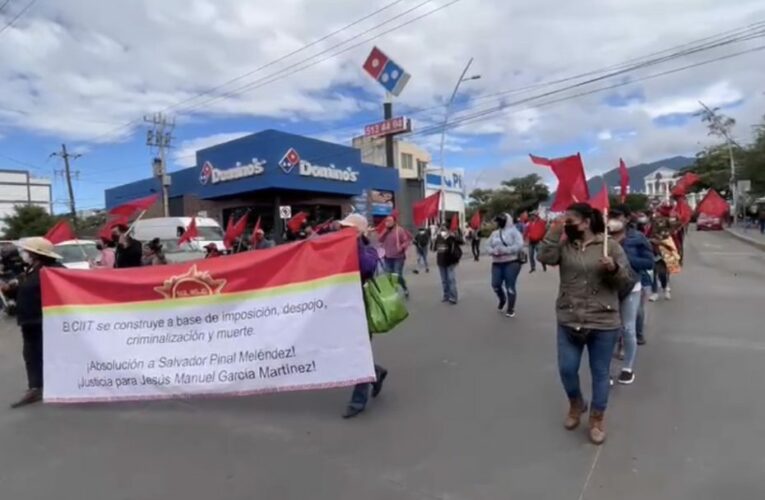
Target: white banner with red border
284,319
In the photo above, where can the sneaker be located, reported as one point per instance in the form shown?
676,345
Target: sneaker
378,384
453,302
626,377
510,314
501,305
352,411
667,294
427,269
416,271
32,396
654,297
531,270
641,340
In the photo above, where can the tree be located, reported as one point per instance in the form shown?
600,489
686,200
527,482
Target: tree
529,190
637,202
27,220
514,196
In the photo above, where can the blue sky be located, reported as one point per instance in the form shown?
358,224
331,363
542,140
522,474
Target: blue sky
73,71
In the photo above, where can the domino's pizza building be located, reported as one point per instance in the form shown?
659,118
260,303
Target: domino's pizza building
269,170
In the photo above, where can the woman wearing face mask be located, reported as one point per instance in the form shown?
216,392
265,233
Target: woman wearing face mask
505,247
587,307
448,255
640,256
37,253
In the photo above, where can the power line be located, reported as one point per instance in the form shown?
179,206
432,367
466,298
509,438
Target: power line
16,18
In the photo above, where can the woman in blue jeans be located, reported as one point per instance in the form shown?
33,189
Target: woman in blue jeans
505,247
592,271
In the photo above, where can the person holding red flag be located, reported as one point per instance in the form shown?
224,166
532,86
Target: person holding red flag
448,255
395,242
129,251
535,233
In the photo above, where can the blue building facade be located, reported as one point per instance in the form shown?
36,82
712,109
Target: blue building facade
261,172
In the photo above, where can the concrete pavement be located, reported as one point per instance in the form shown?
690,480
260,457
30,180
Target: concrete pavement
472,409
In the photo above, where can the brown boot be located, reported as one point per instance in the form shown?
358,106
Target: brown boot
575,410
30,397
597,429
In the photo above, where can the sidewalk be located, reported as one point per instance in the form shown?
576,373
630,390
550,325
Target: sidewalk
751,236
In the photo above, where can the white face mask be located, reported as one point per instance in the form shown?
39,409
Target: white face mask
26,257
615,225
444,234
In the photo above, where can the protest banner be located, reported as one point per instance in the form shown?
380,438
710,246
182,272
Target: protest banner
287,318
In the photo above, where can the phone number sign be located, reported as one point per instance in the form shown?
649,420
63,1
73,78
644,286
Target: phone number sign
398,125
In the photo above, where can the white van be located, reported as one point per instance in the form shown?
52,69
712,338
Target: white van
172,228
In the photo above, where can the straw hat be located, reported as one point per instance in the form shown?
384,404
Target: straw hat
39,246
355,220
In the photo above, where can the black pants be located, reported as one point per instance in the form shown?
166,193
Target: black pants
475,246
33,354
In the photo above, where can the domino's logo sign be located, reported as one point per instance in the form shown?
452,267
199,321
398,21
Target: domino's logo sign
205,175
290,160
387,73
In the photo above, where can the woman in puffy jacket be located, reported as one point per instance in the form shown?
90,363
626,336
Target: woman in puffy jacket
505,247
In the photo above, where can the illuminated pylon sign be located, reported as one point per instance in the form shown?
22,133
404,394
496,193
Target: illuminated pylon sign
387,73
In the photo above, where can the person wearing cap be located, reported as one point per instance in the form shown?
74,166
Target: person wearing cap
37,253
212,251
129,252
154,256
367,266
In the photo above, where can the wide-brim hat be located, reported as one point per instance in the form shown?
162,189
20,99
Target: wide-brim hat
355,220
39,246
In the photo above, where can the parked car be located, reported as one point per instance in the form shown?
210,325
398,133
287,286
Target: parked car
77,254
708,223
171,228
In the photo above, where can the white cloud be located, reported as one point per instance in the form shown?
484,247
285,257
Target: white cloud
78,69
185,154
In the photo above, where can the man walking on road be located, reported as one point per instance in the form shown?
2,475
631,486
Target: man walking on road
422,245
448,255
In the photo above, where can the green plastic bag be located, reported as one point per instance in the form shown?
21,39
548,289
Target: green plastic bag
384,305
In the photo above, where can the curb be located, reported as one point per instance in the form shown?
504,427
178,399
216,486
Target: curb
746,239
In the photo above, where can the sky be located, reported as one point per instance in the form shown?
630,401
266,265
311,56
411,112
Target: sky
85,73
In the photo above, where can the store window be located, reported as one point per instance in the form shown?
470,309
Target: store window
422,167
407,162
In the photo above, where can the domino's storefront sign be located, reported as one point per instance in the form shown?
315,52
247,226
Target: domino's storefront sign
291,159
387,73
211,175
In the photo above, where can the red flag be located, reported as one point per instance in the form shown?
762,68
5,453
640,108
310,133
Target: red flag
131,207
106,232
624,179
572,182
600,200
380,228
190,233
684,211
455,224
62,231
297,221
234,231
713,204
685,183
475,221
255,229
426,209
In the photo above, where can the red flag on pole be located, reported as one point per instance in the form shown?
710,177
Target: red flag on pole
572,182
600,200
190,233
62,231
685,183
234,230
130,208
684,211
297,221
713,204
475,221
106,231
426,209
624,179
455,224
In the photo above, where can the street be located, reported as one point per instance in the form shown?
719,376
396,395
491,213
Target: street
472,409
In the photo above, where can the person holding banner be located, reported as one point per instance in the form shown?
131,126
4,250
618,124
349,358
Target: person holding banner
129,251
367,267
37,253
592,271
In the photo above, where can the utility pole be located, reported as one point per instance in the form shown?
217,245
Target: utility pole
160,136
68,176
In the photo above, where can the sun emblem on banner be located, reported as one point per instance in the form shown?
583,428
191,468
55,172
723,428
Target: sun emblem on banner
193,283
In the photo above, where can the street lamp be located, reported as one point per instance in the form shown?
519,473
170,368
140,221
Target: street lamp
449,103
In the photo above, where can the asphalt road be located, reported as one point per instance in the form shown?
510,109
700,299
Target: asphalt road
472,409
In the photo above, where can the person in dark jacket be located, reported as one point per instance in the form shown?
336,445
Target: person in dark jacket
154,255
448,255
422,245
13,265
37,254
592,271
640,256
129,252
368,260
